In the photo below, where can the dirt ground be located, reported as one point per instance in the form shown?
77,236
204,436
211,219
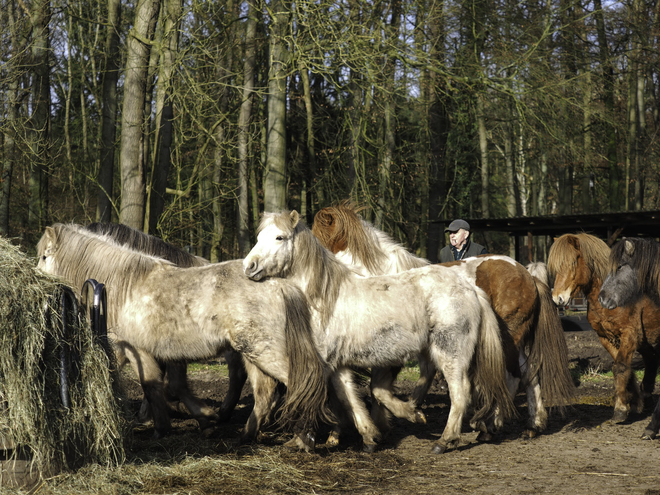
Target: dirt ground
581,453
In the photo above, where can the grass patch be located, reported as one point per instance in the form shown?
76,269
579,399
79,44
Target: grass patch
215,367
410,372
596,374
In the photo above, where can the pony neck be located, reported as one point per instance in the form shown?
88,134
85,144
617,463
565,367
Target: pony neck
317,272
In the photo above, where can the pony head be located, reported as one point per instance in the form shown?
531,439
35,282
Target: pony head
46,249
272,255
620,288
632,266
574,261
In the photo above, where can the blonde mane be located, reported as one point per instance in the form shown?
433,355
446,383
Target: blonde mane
340,228
594,251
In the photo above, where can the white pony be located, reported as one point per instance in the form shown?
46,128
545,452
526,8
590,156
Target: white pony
385,321
520,298
158,311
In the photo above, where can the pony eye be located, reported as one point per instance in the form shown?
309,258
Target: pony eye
279,238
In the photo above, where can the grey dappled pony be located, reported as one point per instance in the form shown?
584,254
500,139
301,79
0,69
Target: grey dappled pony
159,311
177,384
385,321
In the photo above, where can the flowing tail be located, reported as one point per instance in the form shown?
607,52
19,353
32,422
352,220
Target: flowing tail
490,385
548,352
307,388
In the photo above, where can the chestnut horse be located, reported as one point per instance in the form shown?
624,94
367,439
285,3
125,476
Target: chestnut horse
579,262
528,320
634,272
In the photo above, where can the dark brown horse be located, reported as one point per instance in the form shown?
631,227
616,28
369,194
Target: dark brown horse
529,324
634,272
579,263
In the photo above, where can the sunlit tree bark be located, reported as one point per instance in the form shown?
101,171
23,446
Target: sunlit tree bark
244,130
40,116
135,87
276,171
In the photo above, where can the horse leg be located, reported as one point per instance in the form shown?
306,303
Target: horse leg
343,421
652,429
456,373
625,384
382,383
144,414
177,385
538,416
264,391
342,381
150,375
237,378
651,363
427,371
516,363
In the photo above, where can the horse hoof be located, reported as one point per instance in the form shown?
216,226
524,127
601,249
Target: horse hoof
333,440
420,417
439,449
648,435
209,431
246,439
297,443
529,433
160,433
224,415
484,436
619,416
369,448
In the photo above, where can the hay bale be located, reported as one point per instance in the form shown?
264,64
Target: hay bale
34,424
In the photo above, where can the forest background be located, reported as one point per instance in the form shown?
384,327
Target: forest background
187,118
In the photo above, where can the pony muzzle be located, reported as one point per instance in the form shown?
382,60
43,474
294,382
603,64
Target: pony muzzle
252,270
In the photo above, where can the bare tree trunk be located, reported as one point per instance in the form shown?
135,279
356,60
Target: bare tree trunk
587,164
244,131
223,71
384,185
40,119
276,174
638,88
135,87
439,124
631,146
311,153
104,202
164,112
608,100
11,123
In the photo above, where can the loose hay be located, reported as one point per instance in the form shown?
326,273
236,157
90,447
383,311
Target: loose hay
33,421
236,472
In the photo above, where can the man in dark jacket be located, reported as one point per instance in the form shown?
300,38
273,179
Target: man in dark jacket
461,247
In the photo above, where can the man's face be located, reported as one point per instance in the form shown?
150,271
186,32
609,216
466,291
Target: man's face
458,238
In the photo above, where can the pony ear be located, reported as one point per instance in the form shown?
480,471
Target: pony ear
629,247
50,238
50,234
574,241
295,218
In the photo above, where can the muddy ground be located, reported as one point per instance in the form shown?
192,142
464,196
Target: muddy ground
581,453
